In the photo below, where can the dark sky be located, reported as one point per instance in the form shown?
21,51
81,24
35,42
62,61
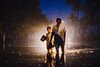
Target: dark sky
55,8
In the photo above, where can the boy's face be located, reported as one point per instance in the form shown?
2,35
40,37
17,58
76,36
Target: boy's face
49,30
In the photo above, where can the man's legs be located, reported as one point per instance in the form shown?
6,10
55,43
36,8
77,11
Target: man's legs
57,52
62,49
57,55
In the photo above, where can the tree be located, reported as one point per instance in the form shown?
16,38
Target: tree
75,4
89,21
17,16
91,9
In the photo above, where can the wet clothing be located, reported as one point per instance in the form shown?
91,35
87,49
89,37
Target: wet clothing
59,30
49,37
50,48
59,40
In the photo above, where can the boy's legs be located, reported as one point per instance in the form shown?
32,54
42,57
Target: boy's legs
50,57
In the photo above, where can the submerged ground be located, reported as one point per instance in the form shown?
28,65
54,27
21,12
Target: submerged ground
21,57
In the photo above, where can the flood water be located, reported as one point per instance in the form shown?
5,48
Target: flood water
29,57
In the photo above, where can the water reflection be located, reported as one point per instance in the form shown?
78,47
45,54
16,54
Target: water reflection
28,57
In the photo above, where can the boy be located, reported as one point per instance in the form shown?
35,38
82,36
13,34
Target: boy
50,46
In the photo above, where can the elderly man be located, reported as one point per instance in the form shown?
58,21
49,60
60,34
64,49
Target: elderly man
60,33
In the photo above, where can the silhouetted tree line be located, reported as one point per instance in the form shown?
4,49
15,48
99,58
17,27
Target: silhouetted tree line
16,16
86,20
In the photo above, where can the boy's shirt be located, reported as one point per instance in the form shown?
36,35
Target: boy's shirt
48,37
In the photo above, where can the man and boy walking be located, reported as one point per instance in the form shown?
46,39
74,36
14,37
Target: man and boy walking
55,37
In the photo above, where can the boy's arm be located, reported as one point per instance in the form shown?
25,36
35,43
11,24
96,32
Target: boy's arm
43,38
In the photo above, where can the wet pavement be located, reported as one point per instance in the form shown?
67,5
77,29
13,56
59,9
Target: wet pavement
73,58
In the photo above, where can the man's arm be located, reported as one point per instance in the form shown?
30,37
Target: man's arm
64,34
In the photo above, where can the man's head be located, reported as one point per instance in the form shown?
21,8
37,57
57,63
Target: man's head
58,21
49,29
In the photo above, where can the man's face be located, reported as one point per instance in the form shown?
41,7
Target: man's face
58,22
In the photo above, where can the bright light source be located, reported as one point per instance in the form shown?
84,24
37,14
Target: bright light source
34,38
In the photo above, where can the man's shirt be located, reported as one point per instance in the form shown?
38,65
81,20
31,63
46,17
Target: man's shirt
60,30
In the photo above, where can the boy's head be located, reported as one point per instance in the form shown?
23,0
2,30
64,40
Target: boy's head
49,29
